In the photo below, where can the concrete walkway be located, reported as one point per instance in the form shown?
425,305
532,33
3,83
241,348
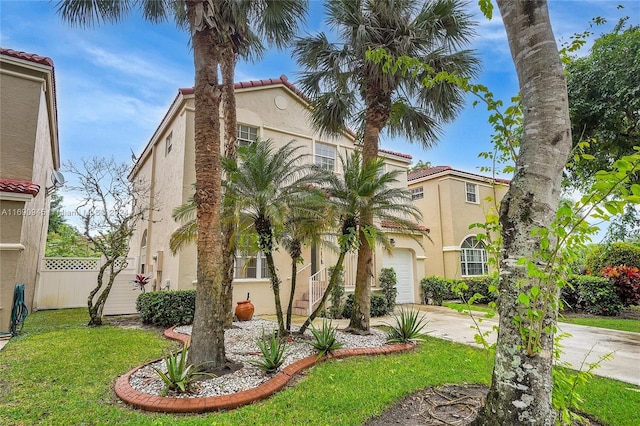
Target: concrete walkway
585,343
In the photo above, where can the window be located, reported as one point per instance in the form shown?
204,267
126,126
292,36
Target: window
417,193
251,266
325,156
473,257
169,143
143,252
246,135
472,192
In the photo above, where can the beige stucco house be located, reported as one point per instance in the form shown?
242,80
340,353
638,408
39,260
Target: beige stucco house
451,201
29,153
266,109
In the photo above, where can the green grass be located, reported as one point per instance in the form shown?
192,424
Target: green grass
62,372
600,322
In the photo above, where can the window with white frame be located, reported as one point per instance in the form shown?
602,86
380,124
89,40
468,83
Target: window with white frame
252,266
246,135
472,192
325,156
417,193
473,257
169,143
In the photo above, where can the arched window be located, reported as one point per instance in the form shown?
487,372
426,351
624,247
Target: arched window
143,252
473,257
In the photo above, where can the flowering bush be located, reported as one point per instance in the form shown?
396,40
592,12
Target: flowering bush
626,280
141,281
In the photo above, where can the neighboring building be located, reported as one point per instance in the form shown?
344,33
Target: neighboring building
266,109
29,154
450,201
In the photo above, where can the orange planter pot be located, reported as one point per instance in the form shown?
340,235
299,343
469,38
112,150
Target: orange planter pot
244,310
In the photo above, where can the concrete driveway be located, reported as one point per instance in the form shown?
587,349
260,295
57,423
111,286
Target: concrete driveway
585,343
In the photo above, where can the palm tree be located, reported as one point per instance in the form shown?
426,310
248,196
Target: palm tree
210,25
265,183
248,23
348,90
364,190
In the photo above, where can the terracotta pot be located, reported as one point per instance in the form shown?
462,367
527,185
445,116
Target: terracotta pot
244,310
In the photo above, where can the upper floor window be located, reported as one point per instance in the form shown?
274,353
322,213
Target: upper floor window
472,192
169,143
473,257
417,193
246,135
325,156
251,266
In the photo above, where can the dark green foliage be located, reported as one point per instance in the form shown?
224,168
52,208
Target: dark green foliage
593,295
484,285
434,290
167,308
272,353
388,283
408,327
615,254
378,305
325,338
337,292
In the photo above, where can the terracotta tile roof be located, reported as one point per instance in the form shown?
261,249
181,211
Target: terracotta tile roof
399,154
429,171
19,187
31,57
396,225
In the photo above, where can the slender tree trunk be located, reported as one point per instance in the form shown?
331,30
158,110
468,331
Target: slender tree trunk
207,342
332,282
522,380
375,119
295,255
275,284
229,221
95,319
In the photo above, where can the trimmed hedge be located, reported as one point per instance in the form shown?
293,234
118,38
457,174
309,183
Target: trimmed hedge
378,305
436,289
616,254
593,295
167,308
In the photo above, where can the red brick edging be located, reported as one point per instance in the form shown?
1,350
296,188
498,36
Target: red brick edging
147,402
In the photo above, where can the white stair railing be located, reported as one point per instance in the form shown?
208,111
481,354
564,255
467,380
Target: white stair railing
317,284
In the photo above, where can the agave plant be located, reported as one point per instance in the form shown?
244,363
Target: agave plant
408,327
180,375
325,339
272,353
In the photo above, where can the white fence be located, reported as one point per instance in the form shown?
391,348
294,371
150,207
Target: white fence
65,282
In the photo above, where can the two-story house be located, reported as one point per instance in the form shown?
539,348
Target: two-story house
451,201
29,160
266,109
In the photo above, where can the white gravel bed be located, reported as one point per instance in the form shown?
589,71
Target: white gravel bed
240,346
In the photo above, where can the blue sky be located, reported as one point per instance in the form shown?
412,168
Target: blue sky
115,82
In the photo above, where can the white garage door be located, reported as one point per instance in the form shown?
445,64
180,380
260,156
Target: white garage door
402,263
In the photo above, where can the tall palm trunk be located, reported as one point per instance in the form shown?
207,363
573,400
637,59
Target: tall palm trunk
208,325
376,116
522,380
295,252
229,221
265,236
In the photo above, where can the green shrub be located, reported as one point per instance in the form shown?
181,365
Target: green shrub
593,295
337,292
481,285
272,353
614,255
325,339
378,305
388,284
167,308
434,289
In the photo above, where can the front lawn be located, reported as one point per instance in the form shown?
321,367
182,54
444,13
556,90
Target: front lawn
62,372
